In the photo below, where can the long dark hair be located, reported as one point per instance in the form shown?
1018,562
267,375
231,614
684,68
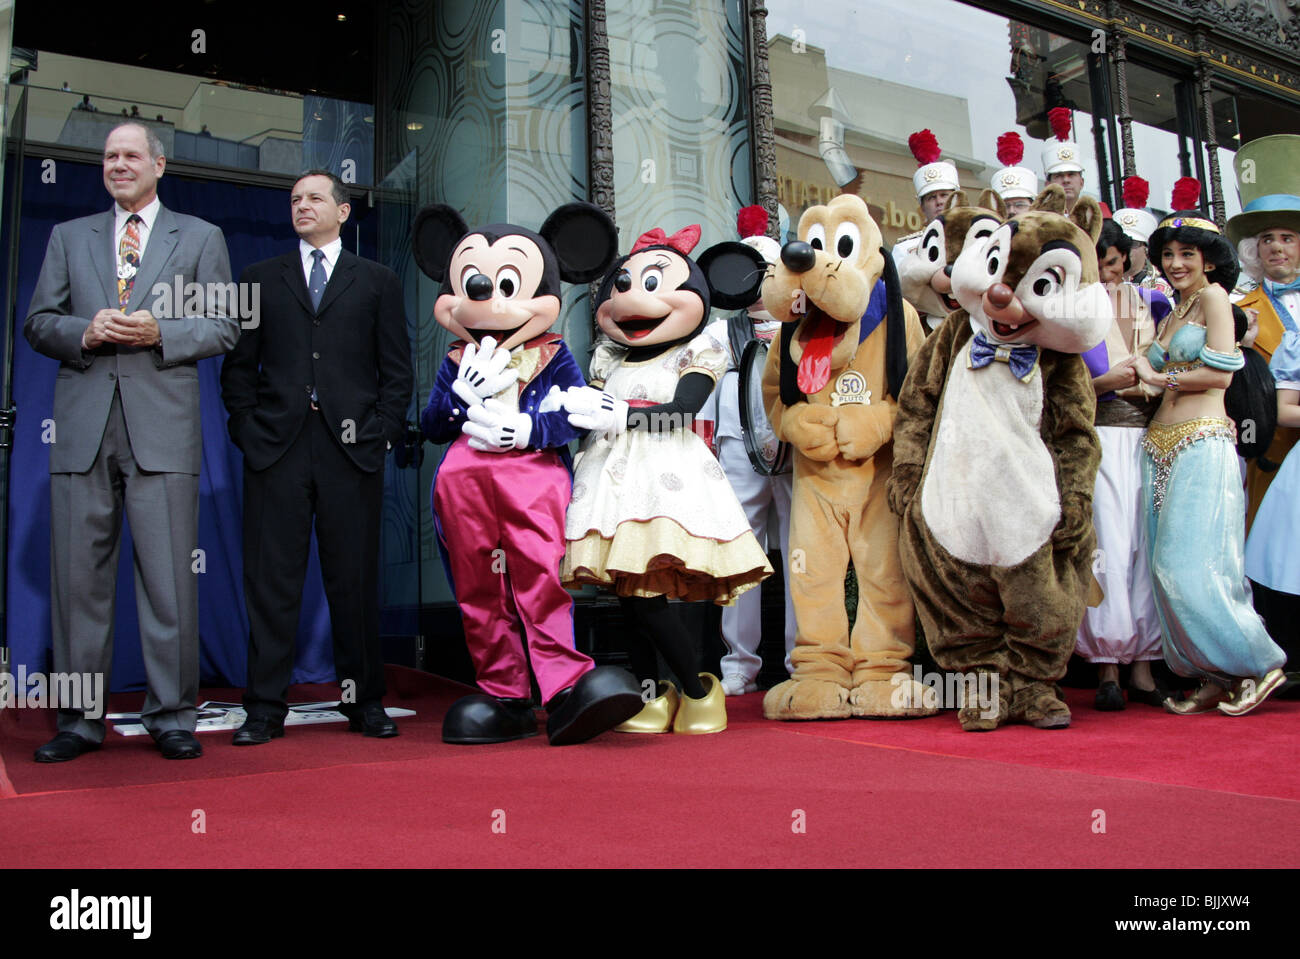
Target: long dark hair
1251,398
1218,252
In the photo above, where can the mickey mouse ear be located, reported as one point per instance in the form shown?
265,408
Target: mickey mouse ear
735,274
434,236
584,239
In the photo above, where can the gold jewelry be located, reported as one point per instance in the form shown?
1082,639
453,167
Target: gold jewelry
1171,382
1183,308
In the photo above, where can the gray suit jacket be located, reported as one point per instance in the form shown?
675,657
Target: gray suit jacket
159,387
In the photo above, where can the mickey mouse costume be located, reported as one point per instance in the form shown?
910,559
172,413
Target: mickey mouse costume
500,493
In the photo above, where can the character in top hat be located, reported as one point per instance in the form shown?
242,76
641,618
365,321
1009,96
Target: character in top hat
1062,159
1016,184
1138,223
1267,235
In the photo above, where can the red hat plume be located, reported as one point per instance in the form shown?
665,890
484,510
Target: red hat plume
924,147
751,221
1187,193
1060,119
1137,192
1011,149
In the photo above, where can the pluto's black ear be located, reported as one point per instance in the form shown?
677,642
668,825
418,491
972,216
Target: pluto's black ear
584,240
734,272
437,230
790,392
895,328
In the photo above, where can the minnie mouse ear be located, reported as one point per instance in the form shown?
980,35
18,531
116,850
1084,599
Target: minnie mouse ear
584,239
735,274
434,236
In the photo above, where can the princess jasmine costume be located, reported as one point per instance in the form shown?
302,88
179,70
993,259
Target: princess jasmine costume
1195,511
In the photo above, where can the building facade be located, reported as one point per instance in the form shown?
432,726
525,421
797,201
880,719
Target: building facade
664,112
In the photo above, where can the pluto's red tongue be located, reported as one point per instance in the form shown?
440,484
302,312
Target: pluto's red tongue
815,366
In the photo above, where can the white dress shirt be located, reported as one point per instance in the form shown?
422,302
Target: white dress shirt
148,215
331,251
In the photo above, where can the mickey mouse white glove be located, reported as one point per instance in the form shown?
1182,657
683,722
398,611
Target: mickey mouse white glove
495,428
483,372
595,410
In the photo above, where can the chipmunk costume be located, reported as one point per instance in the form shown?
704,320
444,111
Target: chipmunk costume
995,459
830,392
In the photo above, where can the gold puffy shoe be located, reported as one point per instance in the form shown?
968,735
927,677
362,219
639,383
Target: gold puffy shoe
1249,693
655,716
707,715
1202,701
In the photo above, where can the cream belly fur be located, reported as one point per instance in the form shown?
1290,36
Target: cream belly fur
989,494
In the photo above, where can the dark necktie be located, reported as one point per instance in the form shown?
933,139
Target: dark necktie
316,285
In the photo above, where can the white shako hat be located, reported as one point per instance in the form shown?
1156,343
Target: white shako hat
933,174
1062,154
1013,181
1137,222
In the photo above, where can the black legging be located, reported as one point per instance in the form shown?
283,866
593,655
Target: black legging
652,625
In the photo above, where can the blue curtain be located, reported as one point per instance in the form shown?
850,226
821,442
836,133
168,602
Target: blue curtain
256,224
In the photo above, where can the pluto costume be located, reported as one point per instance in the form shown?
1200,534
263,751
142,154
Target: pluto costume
830,392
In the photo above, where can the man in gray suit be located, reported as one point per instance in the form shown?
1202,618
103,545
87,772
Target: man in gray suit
126,420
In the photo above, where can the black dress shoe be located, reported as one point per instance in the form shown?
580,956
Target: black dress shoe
63,747
1150,697
257,730
604,697
179,744
478,720
373,721
1109,698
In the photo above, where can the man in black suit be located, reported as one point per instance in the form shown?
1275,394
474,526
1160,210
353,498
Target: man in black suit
317,390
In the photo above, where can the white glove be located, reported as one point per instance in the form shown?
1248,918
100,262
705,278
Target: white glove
552,402
595,410
495,428
483,372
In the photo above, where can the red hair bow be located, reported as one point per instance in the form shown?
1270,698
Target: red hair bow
683,241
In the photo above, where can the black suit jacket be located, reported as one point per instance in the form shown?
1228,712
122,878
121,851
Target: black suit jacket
354,351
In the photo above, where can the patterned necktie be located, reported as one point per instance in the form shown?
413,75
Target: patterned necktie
316,285
128,260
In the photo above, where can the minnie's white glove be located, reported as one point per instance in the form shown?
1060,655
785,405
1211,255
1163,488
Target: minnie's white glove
483,372
495,428
595,410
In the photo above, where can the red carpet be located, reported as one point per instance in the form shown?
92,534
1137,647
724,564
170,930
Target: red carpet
906,794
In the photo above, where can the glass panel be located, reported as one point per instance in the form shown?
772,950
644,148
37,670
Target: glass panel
75,102
681,117
1157,140
487,115
883,85
11,93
